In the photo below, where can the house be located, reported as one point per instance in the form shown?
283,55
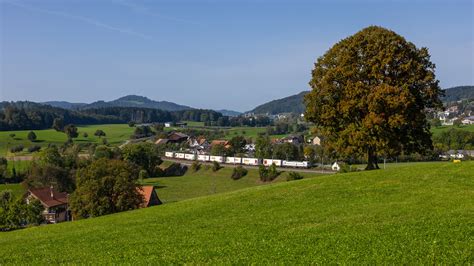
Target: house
55,203
468,120
292,139
314,141
150,198
335,166
168,124
225,143
161,141
250,147
199,143
177,137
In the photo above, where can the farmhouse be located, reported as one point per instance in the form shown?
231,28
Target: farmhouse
177,137
55,203
150,198
468,120
292,139
225,143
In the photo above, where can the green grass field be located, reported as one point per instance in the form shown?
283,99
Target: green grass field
413,214
438,130
206,182
17,189
116,134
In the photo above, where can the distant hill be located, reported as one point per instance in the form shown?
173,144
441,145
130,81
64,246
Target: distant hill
229,112
65,105
458,93
290,104
138,101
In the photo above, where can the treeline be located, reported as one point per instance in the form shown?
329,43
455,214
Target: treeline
34,116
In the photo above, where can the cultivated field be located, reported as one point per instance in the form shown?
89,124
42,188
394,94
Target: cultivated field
413,214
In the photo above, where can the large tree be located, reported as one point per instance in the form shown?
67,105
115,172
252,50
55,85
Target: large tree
105,187
369,95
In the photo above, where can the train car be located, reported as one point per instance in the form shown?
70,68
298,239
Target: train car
234,160
203,158
303,164
268,162
188,156
250,161
219,159
179,155
169,154
289,164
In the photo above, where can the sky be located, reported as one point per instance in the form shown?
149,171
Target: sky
225,54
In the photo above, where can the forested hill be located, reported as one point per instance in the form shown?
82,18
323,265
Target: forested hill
294,103
30,115
459,93
291,104
137,101
126,101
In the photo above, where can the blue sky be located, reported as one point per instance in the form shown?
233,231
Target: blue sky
206,54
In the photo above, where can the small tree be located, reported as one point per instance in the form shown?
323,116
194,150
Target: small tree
31,136
12,135
263,173
85,135
195,166
71,131
215,166
58,124
293,176
238,172
131,124
99,133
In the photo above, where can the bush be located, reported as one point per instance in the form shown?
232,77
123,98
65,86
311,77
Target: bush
294,176
175,169
143,174
273,172
85,135
18,148
34,148
238,172
31,136
267,175
195,166
215,166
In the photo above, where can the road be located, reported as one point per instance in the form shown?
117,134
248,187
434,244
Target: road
304,170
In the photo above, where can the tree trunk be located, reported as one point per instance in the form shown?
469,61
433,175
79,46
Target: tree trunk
371,159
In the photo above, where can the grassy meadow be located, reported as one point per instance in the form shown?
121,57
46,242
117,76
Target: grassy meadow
16,189
206,182
115,135
439,130
412,214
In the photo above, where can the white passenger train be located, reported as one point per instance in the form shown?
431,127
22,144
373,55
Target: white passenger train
237,160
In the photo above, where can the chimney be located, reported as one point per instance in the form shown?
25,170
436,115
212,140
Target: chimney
51,191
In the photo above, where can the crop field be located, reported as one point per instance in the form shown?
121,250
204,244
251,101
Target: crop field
115,134
413,214
206,182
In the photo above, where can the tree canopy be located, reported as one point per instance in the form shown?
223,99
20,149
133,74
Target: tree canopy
369,95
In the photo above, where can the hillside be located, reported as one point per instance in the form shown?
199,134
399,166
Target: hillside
459,93
137,101
290,104
229,112
294,103
411,214
65,105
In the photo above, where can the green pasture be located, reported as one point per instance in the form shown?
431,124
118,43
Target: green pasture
412,214
206,182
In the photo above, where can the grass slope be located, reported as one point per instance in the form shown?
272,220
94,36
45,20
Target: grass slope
407,215
206,182
438,130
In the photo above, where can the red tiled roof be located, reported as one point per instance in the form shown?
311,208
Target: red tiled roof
146,192
219,142
44,195
175,136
